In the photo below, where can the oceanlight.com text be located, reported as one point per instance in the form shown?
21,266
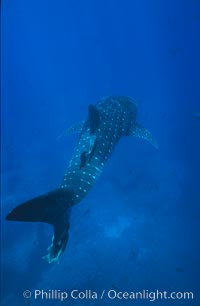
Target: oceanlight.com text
151,296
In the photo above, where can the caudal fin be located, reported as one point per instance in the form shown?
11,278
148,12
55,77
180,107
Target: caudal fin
52,208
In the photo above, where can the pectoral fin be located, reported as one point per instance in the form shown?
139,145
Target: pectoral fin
141,132
75,128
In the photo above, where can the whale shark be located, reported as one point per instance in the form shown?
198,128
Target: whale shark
108,120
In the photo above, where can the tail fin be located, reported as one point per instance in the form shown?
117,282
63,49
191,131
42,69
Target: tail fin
52,208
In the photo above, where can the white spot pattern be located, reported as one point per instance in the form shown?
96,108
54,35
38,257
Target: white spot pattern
117,114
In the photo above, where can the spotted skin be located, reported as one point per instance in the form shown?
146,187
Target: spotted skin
117,116
109,120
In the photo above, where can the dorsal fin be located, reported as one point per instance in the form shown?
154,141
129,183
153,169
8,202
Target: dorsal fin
94,118
83,159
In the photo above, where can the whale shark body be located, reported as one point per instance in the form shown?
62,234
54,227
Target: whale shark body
107,121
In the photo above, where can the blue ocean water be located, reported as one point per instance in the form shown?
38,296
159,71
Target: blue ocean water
138,229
